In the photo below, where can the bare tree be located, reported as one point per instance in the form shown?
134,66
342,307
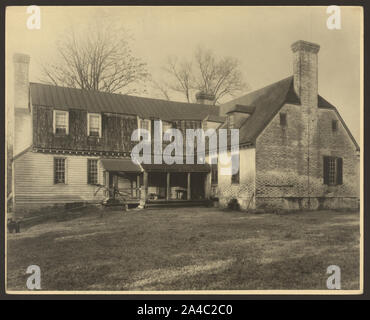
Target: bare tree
205,72
182,72
98,59
162,88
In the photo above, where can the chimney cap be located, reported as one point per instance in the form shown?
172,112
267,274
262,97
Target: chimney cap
201,95
302,45
21,58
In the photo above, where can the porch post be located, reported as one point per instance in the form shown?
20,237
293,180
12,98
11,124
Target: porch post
144,194
138,186
188,193
207,185
168,186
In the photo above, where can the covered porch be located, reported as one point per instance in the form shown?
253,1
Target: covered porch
122,180
132,183
168,183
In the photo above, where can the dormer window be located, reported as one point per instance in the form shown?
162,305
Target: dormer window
60,122
94,124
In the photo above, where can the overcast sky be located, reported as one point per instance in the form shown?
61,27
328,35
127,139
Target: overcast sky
260,37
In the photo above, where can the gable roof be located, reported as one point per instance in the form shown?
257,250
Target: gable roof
266,103
324,104
95,101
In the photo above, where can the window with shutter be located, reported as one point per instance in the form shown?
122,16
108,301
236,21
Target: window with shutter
333,170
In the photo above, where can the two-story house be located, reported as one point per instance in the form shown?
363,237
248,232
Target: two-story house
68,143
295,151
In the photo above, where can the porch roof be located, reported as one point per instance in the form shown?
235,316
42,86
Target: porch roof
122,165
177,167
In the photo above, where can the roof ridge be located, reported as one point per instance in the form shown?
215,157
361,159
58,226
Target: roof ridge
123,94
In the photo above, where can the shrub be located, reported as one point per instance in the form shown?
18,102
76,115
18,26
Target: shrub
233,204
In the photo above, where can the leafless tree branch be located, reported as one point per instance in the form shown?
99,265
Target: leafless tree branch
98,60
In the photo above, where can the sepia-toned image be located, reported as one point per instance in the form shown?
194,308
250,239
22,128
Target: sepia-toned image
171,150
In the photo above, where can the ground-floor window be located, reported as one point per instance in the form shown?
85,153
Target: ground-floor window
333,170
59,170
92,171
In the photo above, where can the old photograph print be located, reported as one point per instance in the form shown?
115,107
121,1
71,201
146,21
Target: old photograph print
184,149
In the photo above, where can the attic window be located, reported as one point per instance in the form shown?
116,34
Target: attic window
283,121
334,125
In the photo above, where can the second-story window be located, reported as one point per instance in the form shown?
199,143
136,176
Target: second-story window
60,122
334,125
166,125
94,124
145,124
283,121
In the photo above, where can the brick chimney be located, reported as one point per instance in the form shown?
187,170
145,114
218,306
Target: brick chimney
205,98
305,71
22,110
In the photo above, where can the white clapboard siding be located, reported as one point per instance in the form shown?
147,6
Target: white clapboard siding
34,180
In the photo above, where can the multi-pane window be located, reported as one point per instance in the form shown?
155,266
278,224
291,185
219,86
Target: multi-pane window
145,124
333,171
94,124
166,125
59,170
92,171
235,178
283,121
334,125
61,122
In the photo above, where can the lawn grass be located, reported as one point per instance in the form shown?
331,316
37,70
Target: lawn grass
187,249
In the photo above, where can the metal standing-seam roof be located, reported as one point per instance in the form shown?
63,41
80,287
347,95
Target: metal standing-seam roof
95,101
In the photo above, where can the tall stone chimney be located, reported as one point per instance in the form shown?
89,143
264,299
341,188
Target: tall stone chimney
22,109
305,70
205,98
